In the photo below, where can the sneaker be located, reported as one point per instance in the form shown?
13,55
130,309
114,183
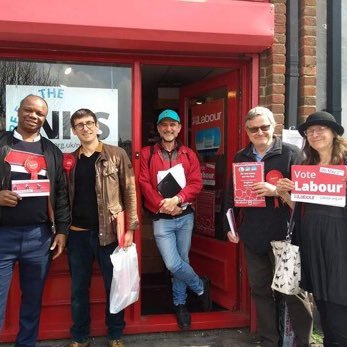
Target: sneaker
183,316
79,344
205,299
115,343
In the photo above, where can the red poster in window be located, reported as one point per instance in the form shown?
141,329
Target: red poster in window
205,211
208,173
208,126
325,185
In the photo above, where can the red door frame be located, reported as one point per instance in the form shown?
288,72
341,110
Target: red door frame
226,318
135,322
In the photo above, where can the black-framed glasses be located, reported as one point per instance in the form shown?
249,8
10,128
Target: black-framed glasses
319,131
254,130
80,126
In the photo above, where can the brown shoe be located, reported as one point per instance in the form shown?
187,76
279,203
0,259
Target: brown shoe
79,344
115,343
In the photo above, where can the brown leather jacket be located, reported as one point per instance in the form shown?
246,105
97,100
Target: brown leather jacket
115,191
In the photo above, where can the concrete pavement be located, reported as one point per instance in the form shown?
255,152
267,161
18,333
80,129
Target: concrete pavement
206,338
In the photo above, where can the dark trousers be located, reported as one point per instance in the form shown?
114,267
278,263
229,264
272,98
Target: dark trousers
260,268
29,246
83,248
333,319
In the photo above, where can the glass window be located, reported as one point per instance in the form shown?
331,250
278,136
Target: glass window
106,90
207,125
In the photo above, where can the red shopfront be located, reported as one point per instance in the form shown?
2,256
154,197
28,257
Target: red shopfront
200,58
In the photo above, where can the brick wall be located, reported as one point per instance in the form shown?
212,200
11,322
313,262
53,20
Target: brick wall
272,63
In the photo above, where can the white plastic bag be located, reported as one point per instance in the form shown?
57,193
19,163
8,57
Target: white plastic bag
125,286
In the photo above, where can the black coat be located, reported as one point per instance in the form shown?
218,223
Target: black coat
55,174
260,225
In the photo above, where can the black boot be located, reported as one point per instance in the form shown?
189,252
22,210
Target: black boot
205,299
183,316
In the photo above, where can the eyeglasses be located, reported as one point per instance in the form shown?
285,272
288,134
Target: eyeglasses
262,128
80,126
319,131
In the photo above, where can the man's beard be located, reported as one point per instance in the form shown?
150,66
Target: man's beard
168,141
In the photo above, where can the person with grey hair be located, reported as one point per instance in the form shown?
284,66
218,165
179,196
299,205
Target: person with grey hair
260,111
259,226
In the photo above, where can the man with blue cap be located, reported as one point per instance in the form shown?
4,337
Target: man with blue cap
173,216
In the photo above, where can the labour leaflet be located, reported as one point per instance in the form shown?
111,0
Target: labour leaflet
244,176
315,184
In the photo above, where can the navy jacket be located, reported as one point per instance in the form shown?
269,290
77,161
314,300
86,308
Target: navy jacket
260,225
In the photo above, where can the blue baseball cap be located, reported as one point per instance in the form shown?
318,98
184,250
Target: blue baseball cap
169,114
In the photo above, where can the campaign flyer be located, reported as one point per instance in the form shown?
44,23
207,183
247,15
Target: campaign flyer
27,188
244,176
315,184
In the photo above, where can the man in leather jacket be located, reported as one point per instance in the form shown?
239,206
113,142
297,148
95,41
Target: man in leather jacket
30,227
101,190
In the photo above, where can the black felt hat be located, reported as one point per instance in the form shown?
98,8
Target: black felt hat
321,118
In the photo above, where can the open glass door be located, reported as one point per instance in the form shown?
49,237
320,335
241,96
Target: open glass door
212,108
207,99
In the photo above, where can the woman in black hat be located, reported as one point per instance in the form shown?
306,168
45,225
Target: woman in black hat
322,231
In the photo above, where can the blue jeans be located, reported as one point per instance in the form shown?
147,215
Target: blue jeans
83,248
29,246
173,238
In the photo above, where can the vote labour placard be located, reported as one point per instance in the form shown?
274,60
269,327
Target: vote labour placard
325,185
244,176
